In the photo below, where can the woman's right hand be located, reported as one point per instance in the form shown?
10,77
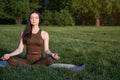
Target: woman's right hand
6,56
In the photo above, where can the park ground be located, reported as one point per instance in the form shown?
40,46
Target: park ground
97,47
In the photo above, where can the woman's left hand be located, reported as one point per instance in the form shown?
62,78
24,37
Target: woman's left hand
55,56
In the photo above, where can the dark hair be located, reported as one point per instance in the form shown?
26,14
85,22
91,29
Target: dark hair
28,30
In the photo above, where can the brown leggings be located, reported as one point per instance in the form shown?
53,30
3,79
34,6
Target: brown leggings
24,62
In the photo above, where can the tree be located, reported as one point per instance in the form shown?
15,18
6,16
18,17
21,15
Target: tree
2,6
19,9
56,5
116,11
80,9
91,8
101,7
96,11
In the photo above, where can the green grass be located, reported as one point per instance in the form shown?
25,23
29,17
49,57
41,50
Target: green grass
97,47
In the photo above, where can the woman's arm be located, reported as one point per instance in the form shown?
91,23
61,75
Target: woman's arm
45,37
16,52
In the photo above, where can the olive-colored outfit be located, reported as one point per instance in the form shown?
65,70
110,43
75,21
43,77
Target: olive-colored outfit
34,54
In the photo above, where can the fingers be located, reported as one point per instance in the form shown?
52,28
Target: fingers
5,57
56,57
2,58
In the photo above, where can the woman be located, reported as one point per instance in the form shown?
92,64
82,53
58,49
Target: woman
34,38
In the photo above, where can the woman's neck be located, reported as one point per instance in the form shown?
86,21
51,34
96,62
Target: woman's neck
35,28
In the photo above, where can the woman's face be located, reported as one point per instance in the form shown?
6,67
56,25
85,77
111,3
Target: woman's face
34,19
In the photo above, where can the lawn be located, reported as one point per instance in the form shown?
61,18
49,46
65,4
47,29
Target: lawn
97,47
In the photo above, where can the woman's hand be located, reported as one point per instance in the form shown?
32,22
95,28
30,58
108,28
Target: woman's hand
55,56
6,57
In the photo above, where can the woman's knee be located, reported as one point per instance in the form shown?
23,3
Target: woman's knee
12,61
17,62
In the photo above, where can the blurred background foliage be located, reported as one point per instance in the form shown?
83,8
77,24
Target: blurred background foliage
62,12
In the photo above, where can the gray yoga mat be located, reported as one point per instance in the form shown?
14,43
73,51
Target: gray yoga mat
4,64
55,65
68,66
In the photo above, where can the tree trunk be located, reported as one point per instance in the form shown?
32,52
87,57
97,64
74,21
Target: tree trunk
19,20
118,19
83,21
97,22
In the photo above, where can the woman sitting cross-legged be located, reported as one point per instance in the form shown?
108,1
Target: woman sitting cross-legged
33,38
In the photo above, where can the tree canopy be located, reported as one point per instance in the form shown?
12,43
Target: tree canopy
82,11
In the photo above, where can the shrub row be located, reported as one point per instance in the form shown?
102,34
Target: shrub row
62,18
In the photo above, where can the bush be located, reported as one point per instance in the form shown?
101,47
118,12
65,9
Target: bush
47,16
62,18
